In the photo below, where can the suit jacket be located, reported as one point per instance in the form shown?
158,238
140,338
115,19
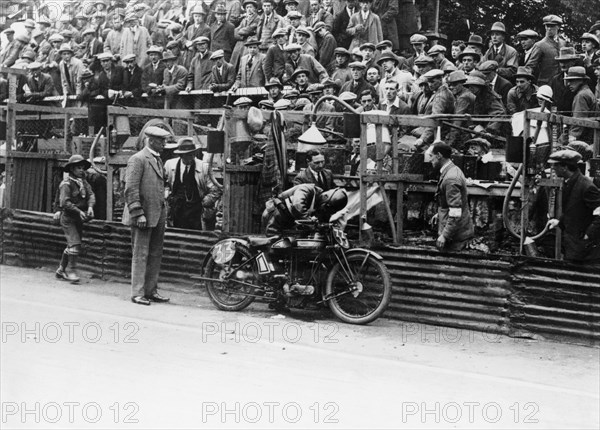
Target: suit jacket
176,81
387,10
541,60
225,80
137,44
502,87
306,177
200,71
144,188
441,102
253,77
44,87
101,84
340,29
73,85
584,106
192,32
580,199
358,87
205,185
316,71
321,16
222,37
150,75
326,45
507,59
372,31
274,64
132,81
454,216
268,26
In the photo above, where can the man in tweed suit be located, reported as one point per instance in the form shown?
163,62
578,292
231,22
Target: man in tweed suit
455,226
145,211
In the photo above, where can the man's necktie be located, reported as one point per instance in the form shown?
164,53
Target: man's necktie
250,63
321,180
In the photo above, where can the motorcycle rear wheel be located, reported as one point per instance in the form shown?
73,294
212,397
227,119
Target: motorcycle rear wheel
370,303
230,295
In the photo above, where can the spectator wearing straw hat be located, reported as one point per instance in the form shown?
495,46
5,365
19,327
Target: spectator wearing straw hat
542,60
580,219
135,39
523,95
506,56
222,33
70,71
584,103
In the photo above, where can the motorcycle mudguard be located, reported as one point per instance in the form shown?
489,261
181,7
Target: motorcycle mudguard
363,251
233,240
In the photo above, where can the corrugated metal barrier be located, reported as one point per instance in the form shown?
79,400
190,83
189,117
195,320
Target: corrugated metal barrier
515,296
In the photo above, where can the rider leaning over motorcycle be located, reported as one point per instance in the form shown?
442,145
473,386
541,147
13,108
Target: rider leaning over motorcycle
302,202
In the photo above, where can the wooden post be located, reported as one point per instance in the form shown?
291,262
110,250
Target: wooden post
524,184
362,174
400,189
558,239
227,174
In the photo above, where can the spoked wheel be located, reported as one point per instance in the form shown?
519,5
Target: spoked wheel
225,292
361,294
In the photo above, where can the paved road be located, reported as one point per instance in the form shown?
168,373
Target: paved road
85,357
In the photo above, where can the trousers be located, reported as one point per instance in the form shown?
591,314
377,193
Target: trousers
147,249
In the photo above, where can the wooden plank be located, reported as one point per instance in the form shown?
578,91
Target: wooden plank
412,120
49,182
161,113
526,184
400,212
40,155
379,148
10,138
363,188
236,168
558,238
109,193
19,107
553,118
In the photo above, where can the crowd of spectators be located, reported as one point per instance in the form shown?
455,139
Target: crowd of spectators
144,53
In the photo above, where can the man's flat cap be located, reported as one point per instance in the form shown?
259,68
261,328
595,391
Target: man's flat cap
567,156
488,66
418,38
154,131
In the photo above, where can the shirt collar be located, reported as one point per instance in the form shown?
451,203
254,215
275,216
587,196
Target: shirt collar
153,152
445,167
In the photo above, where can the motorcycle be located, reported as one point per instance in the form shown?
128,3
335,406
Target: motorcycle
316,265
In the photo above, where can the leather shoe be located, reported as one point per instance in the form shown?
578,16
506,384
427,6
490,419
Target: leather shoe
157,298
140,300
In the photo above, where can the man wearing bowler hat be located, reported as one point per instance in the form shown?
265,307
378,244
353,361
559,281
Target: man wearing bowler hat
584,103
192,195
145,211
506,56
580,219
542,60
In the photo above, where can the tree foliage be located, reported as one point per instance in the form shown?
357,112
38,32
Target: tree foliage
460,18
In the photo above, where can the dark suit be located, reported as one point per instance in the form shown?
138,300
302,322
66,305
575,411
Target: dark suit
103,83
306,176
132,81
542,59
274,63
145,195
580,199
340,25
43,87
224,80
502,87
454,216
253,76
174,82
150,75
222,37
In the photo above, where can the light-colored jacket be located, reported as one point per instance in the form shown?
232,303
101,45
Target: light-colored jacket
137,44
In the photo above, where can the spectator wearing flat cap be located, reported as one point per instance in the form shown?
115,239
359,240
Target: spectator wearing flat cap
51,60
175,46
580,219
247,27
523,95
274,63
145,211
464,104
303,36
341,72
584,103
542,60
132,81
364,26
419,43
135,39
358,84
9,33
18,45
198,27
222,33
318,14
502,86
340,24
563,98
152,76
326,45
199,74
440,102
250,72
223,74
506,56
112,42
526,39
270,21
296,60
38,84
70,71
109,81
438,53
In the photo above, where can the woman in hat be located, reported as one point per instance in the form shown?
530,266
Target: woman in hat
522,96
76,205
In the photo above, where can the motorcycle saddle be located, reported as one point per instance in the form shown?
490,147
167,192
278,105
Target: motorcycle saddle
258,241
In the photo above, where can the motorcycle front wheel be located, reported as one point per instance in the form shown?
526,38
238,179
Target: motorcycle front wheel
359,295
225,293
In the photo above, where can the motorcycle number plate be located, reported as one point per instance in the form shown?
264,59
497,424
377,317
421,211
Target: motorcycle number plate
223,252
263,264
341,238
